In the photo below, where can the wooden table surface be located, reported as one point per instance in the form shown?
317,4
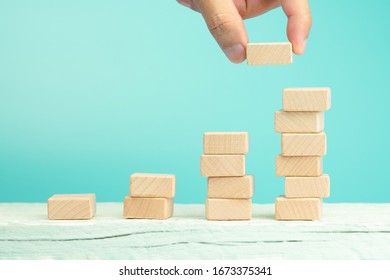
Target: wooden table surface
346,231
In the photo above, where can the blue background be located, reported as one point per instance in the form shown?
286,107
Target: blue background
92,91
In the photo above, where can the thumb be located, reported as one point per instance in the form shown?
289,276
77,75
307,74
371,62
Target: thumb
226,25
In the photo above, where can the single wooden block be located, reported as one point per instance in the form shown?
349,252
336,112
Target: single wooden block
298,208
295,122
298,166
306,99
307,144
307,186
71,206
147,208
230,187
152,185
225,143
228,209
269,53
222,165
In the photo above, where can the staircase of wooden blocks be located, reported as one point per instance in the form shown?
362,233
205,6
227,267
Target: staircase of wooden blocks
229,189
303,144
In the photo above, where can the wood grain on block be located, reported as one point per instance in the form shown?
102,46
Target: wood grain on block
148,208
71,206
307,186
296,122
224,143
222,165
152,185
298,166
298,208
269,53
303,144
228,209
230,187
306,99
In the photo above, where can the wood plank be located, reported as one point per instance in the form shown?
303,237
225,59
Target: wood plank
298,208
306,99
224,143
222,165
152,185
230,187
298,166
147,208
307,186
297,122
303,144
269,53
228,209
71,206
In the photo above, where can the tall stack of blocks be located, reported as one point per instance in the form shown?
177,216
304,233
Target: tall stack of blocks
151,196
301,123
229,189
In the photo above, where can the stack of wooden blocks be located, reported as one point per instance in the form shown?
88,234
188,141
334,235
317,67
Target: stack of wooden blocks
151,196
229,189
303,144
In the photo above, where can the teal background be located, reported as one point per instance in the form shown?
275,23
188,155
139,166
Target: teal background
92,91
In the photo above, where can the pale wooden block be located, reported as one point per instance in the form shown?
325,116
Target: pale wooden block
230,187
152,185
298,166
306,144
298,208
224,143
306,99
307,186
296,122
71,206
228,209
147,208
222,165
269,53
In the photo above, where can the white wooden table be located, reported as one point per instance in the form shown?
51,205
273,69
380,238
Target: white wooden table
347,231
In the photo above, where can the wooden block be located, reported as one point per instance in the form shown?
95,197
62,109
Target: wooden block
147,208
269,53
71,206
225,143
307,144
307,186
298,166
295,122
297,208
222,165
306,99
152,185
228,209
230,187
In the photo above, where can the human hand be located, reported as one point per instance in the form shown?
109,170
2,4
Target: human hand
224,19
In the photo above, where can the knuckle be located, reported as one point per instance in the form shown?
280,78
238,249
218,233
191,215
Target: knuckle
219,24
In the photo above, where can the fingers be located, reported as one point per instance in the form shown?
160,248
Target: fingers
188,3
299,23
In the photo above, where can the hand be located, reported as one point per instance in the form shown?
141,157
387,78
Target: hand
224,19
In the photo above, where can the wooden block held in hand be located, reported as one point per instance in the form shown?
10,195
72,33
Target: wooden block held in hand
298,166
304,144
269,53
222,165
225,143
306,99
147,208
298,208
152,185
71,206
228,209
307,186
230,187
295,122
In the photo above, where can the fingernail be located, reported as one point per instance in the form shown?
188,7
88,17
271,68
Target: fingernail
304,45
235,53
186,4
